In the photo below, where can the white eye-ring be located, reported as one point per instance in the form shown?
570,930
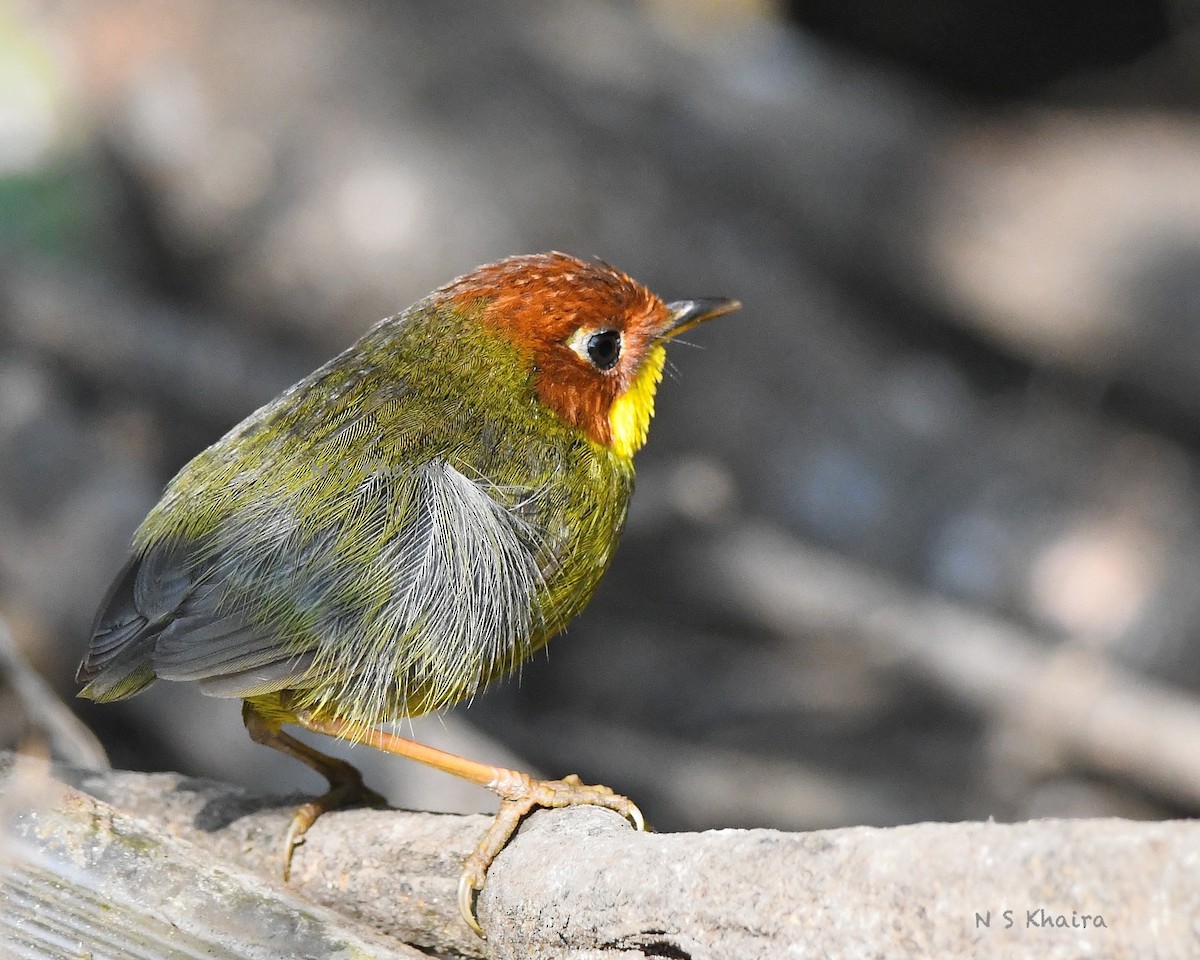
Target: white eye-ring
600,348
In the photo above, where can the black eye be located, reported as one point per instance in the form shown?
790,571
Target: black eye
604,349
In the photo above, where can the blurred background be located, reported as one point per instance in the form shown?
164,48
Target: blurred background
917,533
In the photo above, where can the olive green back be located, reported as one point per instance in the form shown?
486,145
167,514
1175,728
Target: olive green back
394,531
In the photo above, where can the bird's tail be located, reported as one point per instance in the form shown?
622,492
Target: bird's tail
117,663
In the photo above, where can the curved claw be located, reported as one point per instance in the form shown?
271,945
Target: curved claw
467,891
304,817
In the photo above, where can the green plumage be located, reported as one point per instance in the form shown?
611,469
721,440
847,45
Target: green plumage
405,524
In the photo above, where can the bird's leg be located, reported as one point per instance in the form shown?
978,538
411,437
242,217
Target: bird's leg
519,794
346,787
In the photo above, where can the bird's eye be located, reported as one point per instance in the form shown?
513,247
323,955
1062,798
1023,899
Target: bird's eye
604,349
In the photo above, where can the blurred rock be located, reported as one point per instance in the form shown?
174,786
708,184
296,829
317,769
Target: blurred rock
1074,238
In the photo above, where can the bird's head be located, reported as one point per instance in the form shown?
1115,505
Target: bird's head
593,337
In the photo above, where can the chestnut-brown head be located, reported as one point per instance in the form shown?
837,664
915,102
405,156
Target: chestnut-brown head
593,335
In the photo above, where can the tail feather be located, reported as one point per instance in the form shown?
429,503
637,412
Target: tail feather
163,619
118,661
122,678
119,627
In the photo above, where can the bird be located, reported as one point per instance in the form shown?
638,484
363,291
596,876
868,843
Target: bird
404,525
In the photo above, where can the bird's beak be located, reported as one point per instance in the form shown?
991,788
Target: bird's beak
685,314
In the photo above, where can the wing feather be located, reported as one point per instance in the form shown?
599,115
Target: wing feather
421,587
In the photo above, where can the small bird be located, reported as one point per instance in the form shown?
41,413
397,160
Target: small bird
407,523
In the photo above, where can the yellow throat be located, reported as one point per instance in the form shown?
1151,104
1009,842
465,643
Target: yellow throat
629,416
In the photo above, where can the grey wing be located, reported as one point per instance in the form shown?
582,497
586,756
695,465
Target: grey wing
448,602
164,618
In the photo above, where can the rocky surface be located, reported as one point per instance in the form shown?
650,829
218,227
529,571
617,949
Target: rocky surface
966,362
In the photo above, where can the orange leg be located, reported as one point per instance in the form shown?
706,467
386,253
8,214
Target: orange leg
346,787
518,792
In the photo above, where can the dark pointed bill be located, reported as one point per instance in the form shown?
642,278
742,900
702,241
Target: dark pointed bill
686,314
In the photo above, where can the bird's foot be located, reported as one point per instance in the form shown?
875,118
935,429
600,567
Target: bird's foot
347,790
519,795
